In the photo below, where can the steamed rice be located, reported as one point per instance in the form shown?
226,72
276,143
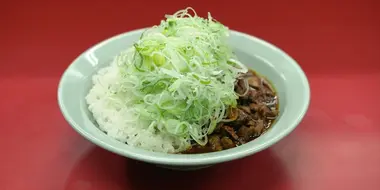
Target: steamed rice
119,121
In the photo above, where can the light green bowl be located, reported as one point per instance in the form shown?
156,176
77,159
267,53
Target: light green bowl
286,75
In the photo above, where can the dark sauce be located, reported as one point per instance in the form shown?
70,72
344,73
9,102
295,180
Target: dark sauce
256,111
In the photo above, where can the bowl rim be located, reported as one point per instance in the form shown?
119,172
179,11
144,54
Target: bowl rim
189,160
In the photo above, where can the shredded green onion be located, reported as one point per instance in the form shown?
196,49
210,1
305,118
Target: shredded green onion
181,75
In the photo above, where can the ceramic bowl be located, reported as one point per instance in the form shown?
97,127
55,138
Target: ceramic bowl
268,60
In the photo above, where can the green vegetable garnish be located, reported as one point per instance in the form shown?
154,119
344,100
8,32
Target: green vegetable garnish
179,76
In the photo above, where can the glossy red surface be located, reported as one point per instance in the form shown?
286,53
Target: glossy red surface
337,146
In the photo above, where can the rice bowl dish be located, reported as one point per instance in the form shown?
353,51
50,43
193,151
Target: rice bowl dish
115,106
172,88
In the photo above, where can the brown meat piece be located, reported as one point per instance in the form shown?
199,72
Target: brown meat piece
227,143
230,131
251,123
252,93
268,92
259,126
259,97
254,82
246,132
272,113
255,116
197,149
242,117
214,142
246,109
264,110
254,107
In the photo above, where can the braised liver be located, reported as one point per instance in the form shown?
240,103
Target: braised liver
256,111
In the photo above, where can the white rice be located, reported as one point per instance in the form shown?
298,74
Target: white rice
119,122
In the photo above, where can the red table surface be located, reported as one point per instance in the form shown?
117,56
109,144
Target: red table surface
337,146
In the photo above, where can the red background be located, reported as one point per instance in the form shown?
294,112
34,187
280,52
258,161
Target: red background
337,146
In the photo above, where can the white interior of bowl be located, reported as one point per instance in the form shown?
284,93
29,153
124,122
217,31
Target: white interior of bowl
287,77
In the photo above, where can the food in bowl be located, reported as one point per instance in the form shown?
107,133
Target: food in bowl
256,111
181,89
